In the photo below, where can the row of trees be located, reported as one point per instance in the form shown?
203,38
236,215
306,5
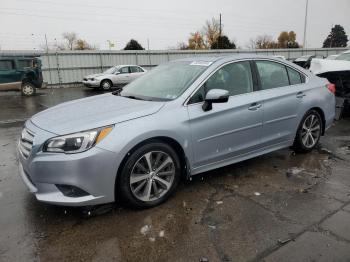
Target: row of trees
211,36
284,40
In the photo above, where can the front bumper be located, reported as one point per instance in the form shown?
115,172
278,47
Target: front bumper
89,83
93,171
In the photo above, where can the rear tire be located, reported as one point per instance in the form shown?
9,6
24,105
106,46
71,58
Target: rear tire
309,132
149,176
28,89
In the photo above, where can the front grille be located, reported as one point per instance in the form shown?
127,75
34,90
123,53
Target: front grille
26,142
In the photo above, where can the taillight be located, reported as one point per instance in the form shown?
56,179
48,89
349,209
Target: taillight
331,87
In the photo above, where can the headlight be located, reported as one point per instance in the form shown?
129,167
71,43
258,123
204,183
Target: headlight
77,142
91,79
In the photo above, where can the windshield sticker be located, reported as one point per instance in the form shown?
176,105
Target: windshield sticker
201,63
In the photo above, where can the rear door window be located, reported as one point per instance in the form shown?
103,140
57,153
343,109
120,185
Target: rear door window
294,77
272,74
135,69
7,65
124,70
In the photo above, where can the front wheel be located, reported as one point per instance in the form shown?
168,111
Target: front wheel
106,85
309,132
28,89
150,175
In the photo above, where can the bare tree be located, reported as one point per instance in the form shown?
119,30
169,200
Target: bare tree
70,37
182,46
262,42
211,32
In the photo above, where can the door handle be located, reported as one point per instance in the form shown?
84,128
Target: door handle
300,95
254,106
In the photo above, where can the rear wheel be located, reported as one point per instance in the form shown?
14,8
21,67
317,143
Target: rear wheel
309,132
28,89
150,175
106,85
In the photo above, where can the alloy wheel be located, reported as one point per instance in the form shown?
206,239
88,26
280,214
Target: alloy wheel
106,85
152,176
311,131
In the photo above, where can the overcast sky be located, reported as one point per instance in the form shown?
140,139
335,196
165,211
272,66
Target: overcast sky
165,23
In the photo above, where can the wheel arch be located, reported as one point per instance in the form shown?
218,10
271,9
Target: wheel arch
164,139
320,111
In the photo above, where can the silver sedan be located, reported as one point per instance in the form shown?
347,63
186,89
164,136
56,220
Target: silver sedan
180,119
114,76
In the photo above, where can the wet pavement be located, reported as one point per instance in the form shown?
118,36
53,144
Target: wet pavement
278,207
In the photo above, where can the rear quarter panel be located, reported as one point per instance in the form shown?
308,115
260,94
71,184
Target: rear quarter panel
318,96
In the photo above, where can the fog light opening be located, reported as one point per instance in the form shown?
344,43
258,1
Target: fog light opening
72,191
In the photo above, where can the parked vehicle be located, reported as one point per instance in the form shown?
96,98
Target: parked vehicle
182,118
332,57
114,76
305,61
280,57
337,71
20,73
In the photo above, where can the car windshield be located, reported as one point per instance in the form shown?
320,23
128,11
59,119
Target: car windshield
165,82
111,70
345,57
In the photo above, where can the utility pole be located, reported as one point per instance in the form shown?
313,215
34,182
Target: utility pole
47,46
220,31
305,23
148,44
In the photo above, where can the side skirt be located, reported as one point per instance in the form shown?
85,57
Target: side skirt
239,158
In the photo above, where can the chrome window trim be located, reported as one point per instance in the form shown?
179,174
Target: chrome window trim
244,60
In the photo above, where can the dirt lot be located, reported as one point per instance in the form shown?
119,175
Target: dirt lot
278,207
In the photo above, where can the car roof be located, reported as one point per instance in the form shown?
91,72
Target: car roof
225,58
125,65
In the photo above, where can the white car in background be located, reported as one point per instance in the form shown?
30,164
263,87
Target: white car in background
114,76
337,71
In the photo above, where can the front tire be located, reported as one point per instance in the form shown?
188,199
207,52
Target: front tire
150,175
28,89
309,132
106,85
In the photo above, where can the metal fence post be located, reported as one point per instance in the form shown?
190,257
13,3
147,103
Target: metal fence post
149,59
49,66
58,71
136,58
101,63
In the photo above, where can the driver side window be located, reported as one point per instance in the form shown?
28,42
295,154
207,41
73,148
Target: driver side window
235,78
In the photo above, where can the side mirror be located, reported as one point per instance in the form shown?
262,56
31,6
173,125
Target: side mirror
215,96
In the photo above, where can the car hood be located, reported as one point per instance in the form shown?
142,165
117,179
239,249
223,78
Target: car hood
92,112
319,66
